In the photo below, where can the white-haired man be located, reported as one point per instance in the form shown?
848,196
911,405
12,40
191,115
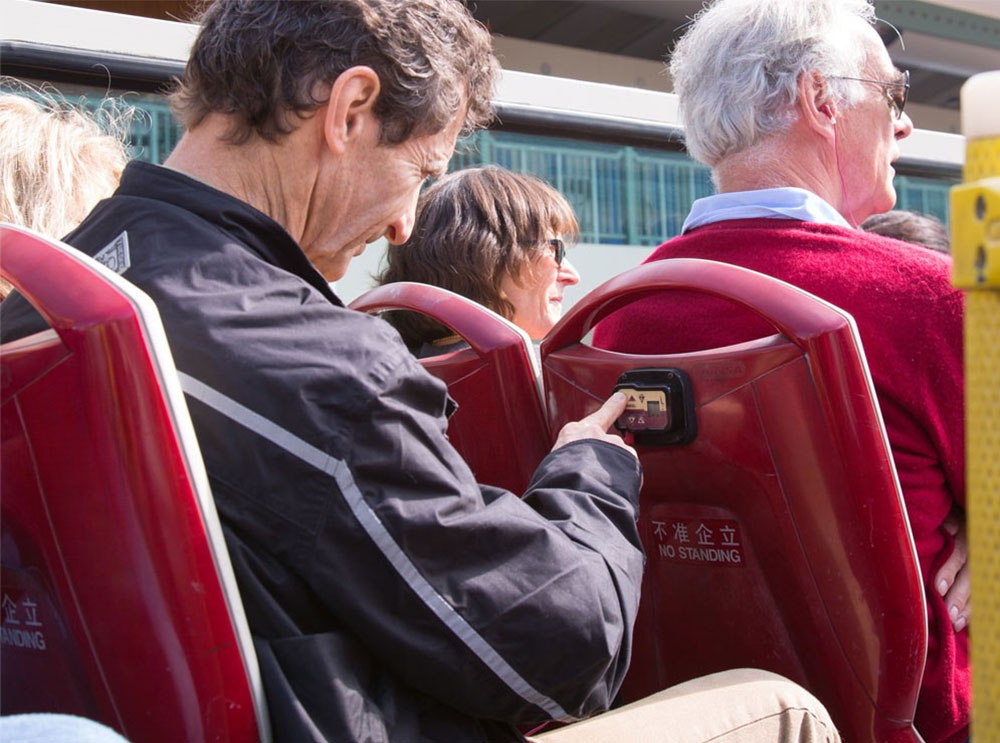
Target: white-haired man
390,597
798,109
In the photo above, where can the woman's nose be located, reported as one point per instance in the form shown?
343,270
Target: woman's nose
568,274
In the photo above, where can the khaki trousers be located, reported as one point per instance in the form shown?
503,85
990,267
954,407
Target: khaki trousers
742,706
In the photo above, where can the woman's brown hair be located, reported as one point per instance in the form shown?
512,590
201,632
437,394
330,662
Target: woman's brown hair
473,228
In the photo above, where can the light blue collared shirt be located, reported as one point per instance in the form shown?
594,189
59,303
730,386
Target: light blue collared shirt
769,203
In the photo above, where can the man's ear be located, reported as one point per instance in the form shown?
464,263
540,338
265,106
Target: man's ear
350,109
816,111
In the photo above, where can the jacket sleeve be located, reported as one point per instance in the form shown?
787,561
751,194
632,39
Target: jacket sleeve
497,605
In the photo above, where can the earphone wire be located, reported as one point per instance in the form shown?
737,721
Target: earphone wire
840,172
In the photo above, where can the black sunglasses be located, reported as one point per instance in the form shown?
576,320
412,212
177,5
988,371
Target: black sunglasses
559,248
895,98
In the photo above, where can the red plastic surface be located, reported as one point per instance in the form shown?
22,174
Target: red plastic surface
106,567
499,427
777,538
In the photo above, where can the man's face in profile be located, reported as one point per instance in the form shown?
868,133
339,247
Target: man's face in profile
376,195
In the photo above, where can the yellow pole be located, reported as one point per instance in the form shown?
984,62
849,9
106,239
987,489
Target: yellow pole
975,238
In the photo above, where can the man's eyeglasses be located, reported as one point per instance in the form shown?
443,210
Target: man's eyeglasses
558,248
895,97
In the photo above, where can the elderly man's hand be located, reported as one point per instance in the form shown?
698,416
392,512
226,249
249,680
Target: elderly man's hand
596,425
952,579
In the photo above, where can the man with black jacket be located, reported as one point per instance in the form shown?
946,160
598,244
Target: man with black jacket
390,596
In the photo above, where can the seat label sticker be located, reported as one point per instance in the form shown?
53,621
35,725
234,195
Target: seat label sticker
21,627
716,542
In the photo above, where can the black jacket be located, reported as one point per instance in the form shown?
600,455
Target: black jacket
390,596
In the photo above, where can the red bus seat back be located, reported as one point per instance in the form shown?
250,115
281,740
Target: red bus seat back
119,601
500,426
778,537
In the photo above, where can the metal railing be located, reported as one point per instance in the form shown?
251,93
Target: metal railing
152,132
622,195
926,195
153,138
633,196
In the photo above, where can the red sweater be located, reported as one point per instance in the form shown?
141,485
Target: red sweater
910,320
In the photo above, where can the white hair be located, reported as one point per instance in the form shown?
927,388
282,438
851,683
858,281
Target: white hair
737,68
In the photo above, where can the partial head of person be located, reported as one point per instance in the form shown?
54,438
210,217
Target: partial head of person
911,227
799,93
346,106
56,163
494,236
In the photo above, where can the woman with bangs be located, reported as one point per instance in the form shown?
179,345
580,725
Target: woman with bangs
491,235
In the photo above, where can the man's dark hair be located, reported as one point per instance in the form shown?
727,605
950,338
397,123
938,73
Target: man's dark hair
911,227
267,64
473,229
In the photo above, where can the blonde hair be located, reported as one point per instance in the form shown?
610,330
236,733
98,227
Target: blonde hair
56,163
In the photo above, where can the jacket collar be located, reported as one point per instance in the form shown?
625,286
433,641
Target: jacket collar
255,230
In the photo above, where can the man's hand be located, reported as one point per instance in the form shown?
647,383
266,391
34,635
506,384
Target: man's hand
952,579
596,425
